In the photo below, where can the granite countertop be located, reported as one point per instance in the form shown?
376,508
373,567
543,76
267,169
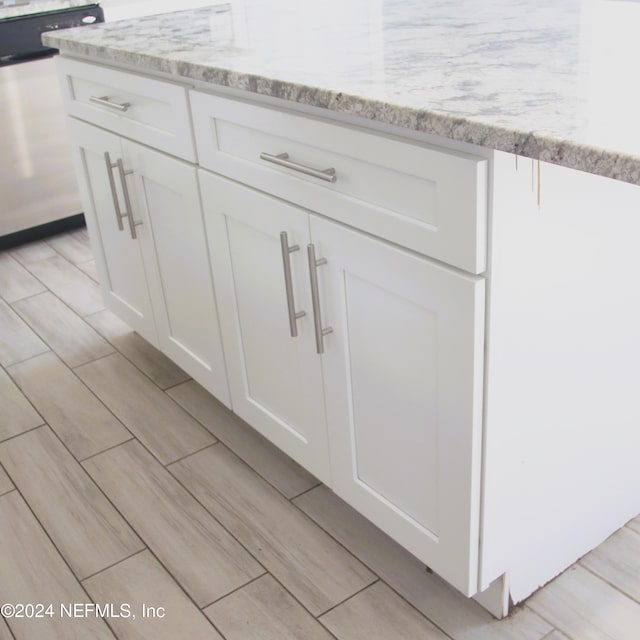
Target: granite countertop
22,8
548,79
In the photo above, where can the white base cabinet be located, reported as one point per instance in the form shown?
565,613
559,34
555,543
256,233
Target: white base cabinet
144,215
494,437
385,408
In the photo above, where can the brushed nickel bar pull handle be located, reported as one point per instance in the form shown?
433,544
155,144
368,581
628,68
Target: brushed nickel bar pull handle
288,282
315,297
114,194
127,199
282,160
105,102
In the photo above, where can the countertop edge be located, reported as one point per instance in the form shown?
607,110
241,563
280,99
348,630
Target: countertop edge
529,144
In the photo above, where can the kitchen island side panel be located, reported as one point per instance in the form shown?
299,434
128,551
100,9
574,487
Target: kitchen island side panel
563,370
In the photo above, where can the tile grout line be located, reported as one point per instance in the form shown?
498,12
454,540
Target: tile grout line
99,453
115,564
58,254
218,440
554,628
129,360
242,586
77,377
302,493
188,455
608,582
75,313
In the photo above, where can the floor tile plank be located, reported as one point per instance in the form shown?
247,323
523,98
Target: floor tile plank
72,286
308,563
263,610
136,349
274,466
142,581
196,550
15,281
83,525
459,617
32,252
377,613
585,607
17,341
617,560
80,420
33,571
63,330
17,415
5,483
634,524
166,429
74,245
90,269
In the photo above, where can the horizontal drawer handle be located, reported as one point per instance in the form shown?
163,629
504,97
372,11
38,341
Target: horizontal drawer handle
282,159
105,102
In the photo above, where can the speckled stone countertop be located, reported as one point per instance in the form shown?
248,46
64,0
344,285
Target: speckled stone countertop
24,9
548,79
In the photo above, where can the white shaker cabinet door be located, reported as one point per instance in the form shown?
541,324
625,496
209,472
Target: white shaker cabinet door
166,203
403,383
118,255
275,378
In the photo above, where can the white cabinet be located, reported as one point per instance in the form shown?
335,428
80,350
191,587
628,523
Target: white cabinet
389,412
462,429
274,378
143,212
118,256
403,385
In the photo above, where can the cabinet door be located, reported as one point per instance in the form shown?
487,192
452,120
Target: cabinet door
275,379
403,383
118,256
166,201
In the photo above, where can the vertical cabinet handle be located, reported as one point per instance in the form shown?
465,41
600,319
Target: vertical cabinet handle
315,297
288,282
127,198
114,194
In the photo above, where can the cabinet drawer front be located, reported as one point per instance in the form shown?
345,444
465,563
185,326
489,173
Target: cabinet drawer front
150,111
429,200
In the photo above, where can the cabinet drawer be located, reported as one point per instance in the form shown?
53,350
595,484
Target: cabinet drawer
427,199
150,111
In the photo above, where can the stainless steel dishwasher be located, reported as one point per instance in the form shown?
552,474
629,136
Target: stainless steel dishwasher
38,190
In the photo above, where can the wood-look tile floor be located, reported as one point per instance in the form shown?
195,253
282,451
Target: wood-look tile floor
141,508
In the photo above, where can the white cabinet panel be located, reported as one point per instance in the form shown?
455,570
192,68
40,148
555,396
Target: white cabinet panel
167,199
118,256
159,281
403,385
275,379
